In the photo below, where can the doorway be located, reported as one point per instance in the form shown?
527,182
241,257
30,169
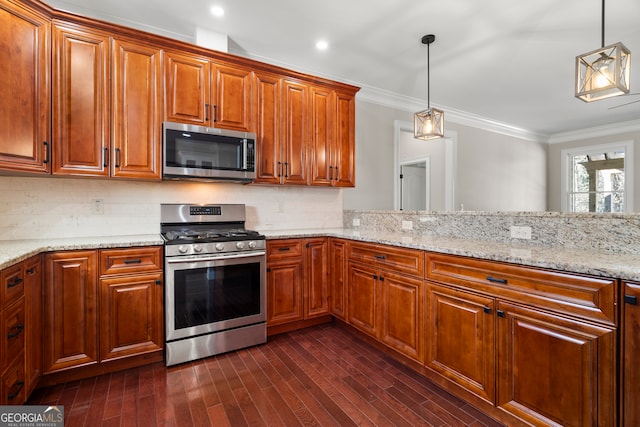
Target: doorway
415,185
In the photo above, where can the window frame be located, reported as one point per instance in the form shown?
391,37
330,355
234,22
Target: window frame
567,170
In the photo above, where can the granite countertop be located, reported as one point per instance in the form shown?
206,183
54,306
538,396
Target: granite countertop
597,263
13,251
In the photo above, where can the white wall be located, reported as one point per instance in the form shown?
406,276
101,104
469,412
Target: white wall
495,172
62,207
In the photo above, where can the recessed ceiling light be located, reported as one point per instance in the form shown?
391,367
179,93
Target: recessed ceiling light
322,45
217,11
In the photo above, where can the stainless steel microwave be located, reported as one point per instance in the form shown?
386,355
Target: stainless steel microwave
204,153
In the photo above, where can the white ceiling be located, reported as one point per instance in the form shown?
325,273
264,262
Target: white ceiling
510,61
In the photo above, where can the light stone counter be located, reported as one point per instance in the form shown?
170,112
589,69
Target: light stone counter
592,262
14,251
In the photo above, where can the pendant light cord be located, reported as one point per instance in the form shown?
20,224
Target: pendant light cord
602,23
429,79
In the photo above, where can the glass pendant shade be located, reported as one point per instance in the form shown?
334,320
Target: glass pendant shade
428,124
603,73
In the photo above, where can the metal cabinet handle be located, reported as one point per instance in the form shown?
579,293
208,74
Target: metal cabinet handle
18,329
284,249
286,169
20,385
206,112
501,313
15,282
631,299
46,152
132,261
105,153
495,280
279,169
215,113
381,257
487,309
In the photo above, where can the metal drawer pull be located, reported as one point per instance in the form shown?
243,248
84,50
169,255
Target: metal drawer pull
381,257
500,313
495,280
132,261
284,249
15,394
631,299
18,328
15,282
487,309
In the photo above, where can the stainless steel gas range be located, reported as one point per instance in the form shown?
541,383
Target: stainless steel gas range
215,277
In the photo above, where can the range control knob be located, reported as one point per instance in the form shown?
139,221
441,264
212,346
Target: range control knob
197,248
240,245
252,244
219,246
183,249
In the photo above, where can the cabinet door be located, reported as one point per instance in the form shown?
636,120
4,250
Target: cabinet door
232,98
460,339
344,150
321,147
70,310
316,289
33,307
402,321
295,104
80,102
284,291
630,348
555,371
363,299
137,110
337,276
25,97
186,88
130,315
267,116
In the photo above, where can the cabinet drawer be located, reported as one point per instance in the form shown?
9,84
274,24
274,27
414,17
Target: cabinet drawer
12,279
409,261
13,387
13,333
587,297
284,249
136,260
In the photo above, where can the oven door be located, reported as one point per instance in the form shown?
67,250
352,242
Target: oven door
209,293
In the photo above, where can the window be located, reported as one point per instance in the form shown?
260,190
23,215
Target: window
598,178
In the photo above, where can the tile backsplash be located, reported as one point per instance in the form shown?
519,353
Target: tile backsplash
66,207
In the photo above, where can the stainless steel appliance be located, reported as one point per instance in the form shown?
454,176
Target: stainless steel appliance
204,153
215,281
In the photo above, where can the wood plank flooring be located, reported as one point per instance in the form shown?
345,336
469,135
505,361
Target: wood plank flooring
322,376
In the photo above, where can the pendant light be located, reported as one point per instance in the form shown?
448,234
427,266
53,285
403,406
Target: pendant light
604,72
428,124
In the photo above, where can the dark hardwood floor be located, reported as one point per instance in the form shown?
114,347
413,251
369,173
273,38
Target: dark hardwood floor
322,375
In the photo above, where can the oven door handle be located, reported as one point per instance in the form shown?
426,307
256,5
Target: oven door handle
185,260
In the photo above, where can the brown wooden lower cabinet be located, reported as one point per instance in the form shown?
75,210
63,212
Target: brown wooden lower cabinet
297,283
101,307
387,306
70,310
461,339
531,363
338,278
629,355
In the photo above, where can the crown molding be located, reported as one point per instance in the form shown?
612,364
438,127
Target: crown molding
406,103
596,132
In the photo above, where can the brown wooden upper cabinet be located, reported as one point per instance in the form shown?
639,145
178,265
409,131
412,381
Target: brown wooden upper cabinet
25,96
201,92
306,133
106,104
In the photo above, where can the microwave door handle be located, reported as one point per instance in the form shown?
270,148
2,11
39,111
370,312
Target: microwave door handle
245,147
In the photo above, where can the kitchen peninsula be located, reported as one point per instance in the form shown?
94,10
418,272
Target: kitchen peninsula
404,292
